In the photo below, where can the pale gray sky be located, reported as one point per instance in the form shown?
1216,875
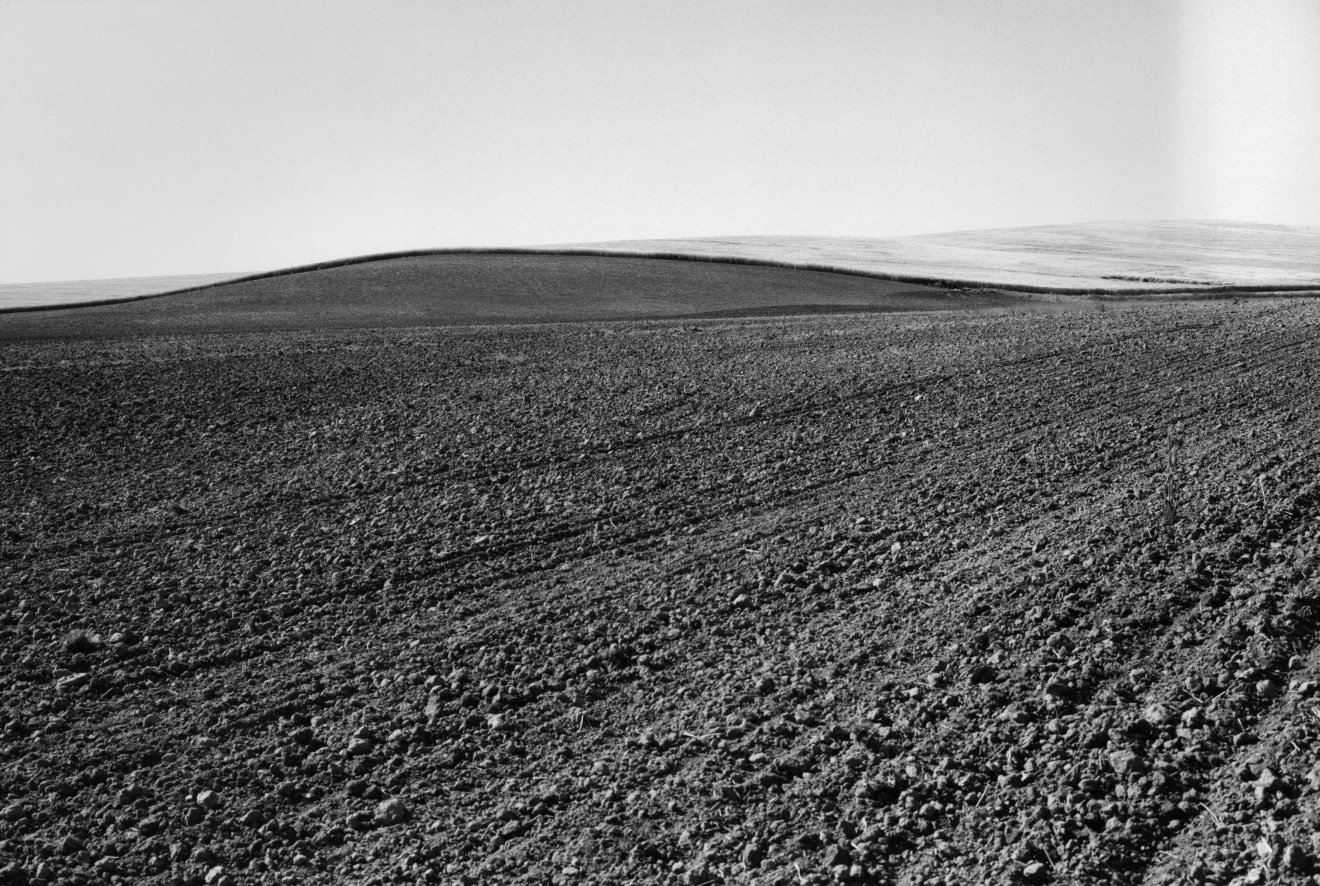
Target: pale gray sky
145,138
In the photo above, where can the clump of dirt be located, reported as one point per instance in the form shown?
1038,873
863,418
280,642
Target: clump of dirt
863,599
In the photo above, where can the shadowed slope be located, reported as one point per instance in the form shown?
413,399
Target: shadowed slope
460,289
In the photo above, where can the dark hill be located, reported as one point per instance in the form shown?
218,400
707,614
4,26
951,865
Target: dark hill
479,288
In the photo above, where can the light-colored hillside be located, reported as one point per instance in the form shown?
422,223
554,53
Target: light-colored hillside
1120,256
70,292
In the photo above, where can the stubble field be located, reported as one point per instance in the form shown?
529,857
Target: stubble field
866,598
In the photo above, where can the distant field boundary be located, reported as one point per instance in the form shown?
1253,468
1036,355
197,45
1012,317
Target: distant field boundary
1207,289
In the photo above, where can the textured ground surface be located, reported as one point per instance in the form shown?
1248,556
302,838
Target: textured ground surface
874,599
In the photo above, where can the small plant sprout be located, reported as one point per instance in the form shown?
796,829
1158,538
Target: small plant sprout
79,641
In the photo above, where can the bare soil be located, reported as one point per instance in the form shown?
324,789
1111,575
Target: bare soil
865,598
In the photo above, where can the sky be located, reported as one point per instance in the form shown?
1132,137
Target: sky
145,137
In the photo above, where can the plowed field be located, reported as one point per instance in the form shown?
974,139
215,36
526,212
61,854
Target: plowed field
886,598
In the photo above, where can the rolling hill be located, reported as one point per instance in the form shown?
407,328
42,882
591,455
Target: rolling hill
651,279
449,289
1116,257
